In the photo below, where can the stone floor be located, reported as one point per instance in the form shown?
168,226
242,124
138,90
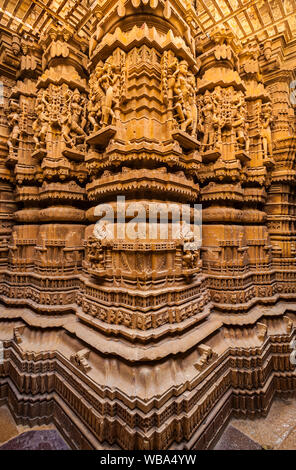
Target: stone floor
17,437
277,431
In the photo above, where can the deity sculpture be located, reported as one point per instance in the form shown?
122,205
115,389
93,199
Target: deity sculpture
40,125
182,85
238,119
246,136
190,258
13,117
94,252
190,108
222,112
94,111
106,82
102,96
266,131
207,122
73,120
61,110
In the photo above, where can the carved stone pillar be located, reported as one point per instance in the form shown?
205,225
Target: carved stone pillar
20,160
256,174
9,63
59,146
225,154
280,206
142,147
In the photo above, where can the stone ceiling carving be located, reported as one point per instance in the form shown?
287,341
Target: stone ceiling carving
260,19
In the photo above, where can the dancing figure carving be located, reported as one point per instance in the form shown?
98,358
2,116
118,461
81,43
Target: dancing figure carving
59,110
104,85
182,83
13,117
74,121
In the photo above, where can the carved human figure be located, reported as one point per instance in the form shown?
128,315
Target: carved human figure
266,131
13,122
238,120
190,258
219,115
73,120
182,83
66,128
207,122
36,127
95,98
102,96
180,89
106,82
94,111
94,252
246,127
247,137
78,120
40,125
190,108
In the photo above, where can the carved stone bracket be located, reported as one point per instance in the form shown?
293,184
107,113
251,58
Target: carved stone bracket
186,141
102,137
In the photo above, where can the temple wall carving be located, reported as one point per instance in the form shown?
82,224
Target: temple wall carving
143,338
